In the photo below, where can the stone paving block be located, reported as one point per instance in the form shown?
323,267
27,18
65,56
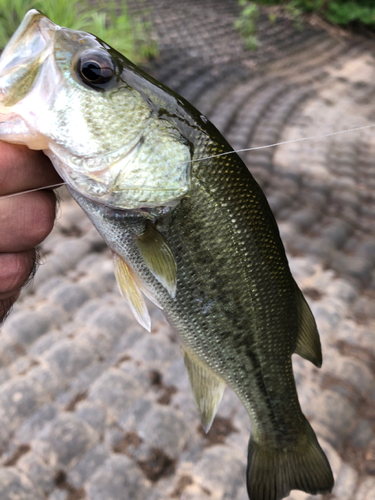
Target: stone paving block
215,474
116,391
71,250
165,428
111,320
155,350
87,376
176,375
352,371
38,471
64,440
48,286
119,478
42,376
93,414
366,489
36,422
17,486
59,494
87,465
343,290
335,412
366,340
25,327
46,342
86,311
345,483
19,398
68,357
136,413
70,296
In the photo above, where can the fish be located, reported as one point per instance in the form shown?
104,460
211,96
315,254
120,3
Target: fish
189,228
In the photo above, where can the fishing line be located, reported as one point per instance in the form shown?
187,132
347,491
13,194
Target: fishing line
330,134
32,190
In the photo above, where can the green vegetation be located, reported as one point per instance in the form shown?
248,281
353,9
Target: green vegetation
341,12
108,20
247,23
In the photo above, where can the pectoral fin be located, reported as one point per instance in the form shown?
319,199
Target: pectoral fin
158,257
208,388
308,342
129,285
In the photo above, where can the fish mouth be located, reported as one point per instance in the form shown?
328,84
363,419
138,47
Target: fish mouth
23,55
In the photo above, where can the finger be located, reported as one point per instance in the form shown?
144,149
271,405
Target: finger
22,168
26,220
15,271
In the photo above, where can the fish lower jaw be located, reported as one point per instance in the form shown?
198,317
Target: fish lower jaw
14,129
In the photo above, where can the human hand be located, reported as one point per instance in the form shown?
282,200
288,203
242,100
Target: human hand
25,220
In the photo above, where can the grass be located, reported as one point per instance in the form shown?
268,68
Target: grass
342,12
109,20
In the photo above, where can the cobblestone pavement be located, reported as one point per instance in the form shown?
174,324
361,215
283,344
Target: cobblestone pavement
94,407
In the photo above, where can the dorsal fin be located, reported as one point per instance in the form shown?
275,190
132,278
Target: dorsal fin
308,342
208,388
129,285
158,257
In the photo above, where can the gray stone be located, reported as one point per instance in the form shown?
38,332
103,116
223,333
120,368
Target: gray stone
362,433
51,267
71,250
67,357
132,418
85,378
64,440
325,316
86,311
345,483
335,412
69,296
366,490
93,414
25,327
36,468
343,290
119,478
52,385
221,470
364,307
354,372
17,486
19,398
116,390
45,342
177,375
59,494
366,339
155,350
50,285
36,422
165,428
87,465
111,320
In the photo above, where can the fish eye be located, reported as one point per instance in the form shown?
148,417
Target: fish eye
96,69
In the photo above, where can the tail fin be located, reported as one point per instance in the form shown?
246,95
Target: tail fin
273,472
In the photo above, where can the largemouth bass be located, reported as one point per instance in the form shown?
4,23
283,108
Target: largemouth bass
189,228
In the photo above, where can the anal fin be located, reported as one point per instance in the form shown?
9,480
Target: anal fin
308,342
130,287
208,388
